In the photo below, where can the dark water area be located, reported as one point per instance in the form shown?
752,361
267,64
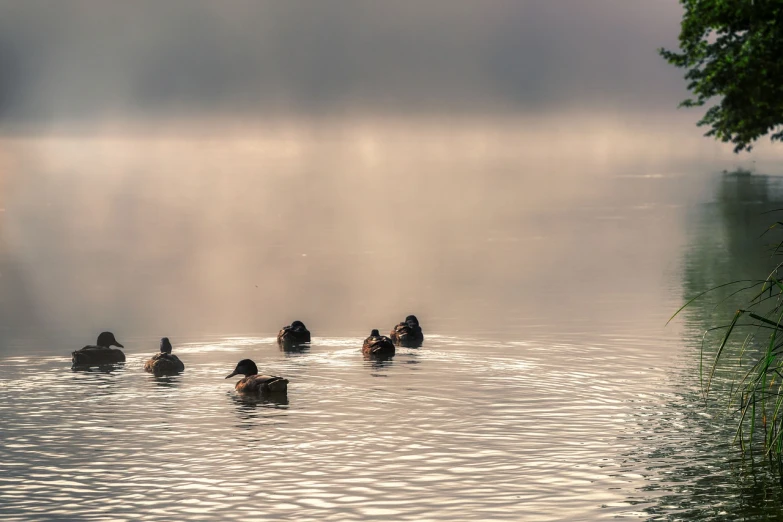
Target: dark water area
548,387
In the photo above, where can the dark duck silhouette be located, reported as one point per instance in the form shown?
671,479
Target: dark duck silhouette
254,383
297,333
164,363
408,333
99,354
377,345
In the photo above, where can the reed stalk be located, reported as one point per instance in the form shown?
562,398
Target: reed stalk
750,348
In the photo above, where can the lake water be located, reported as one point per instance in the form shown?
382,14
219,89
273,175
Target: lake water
548,386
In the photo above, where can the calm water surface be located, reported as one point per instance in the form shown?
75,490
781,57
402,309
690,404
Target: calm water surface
565,398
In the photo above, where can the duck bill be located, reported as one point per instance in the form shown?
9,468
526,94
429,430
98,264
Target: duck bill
115,343
232,374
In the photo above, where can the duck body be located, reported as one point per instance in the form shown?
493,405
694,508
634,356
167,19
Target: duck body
297,333
99,354
164,363
255,383
377,345
408,333
262,384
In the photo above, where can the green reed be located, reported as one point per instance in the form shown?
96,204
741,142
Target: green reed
750,348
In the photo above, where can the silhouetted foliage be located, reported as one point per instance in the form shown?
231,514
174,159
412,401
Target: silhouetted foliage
733,50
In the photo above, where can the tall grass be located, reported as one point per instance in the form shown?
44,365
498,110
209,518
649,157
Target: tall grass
750,348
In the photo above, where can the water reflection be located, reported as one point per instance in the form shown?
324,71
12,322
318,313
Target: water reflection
381,365
703,462
378,361
110,370
293,349
18,315
98,380
250,402
377,364
166,381
726,241
103,368
692,468
250,408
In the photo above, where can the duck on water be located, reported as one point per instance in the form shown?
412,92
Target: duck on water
408,333
377,345
99,354
254,383
164,363
297,333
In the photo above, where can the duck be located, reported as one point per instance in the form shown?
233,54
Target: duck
294,334
164,363
377,345
100,353
254,383
408,333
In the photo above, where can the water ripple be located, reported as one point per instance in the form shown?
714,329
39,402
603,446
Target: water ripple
462,429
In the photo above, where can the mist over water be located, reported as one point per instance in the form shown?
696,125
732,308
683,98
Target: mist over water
347,226
547,387
514,173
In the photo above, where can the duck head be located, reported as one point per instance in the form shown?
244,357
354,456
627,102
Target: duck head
296,325
165,345
411,319
107,339
244,367
375,333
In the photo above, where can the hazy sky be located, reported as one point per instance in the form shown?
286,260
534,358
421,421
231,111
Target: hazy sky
84,60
